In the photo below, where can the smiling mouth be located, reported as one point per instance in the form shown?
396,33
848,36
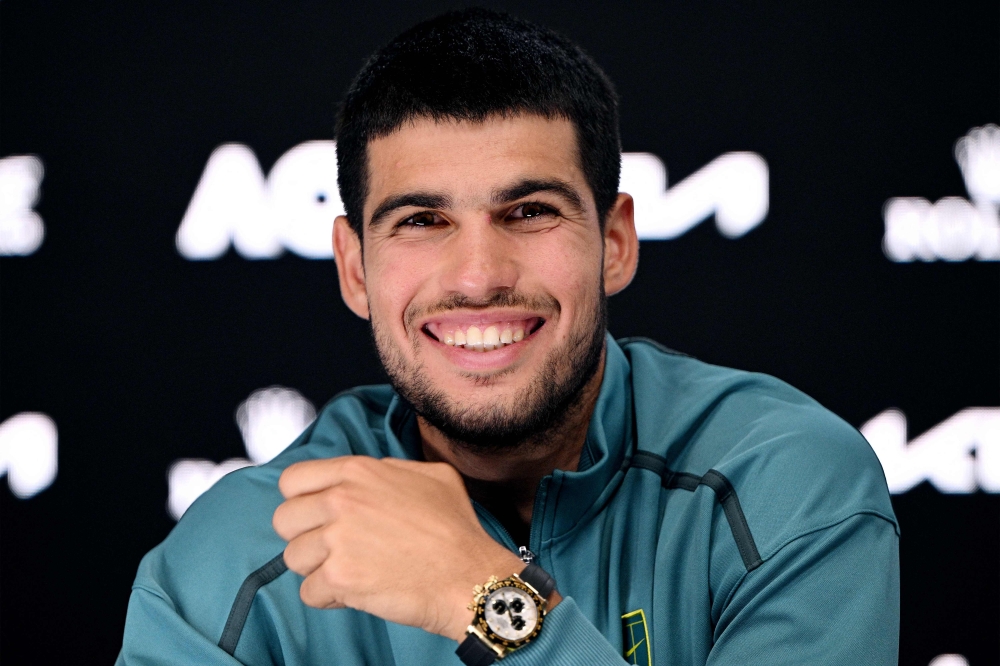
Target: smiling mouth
486,336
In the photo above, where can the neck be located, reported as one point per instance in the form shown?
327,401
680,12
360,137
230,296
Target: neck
505,481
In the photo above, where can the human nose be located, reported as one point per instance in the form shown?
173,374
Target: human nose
480,261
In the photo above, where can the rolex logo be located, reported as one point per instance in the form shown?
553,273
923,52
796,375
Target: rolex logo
952,228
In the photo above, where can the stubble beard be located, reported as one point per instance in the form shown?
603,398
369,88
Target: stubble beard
521,421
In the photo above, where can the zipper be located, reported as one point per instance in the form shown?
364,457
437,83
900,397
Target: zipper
522,551
536,511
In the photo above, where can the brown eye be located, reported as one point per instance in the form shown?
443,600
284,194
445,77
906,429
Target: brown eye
425,219
529,210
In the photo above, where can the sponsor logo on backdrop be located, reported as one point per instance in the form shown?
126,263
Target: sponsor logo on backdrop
269,420
959,455
733,187
29,441
294,206
29,447
949,660
21,228
952,228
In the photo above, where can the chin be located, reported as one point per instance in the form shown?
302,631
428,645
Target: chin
499,399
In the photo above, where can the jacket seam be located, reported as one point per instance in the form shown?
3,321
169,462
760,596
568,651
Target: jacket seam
659,346
356,393
158,595
726,495
831,523
724,492
800,535
240,610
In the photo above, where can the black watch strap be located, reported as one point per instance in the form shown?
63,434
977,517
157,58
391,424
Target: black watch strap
474,652
538,578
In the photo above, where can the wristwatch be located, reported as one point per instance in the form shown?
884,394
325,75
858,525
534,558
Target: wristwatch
509,615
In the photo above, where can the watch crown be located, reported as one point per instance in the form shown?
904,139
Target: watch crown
479,590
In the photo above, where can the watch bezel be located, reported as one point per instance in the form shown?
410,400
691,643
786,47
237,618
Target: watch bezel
479,621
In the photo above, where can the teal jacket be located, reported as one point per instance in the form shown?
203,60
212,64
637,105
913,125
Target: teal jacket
717,517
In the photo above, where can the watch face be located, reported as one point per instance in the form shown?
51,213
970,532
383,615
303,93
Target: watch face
510,613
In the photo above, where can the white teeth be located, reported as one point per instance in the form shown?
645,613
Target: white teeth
474,338
491,338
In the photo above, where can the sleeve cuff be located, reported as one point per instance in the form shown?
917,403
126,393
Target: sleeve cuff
567,639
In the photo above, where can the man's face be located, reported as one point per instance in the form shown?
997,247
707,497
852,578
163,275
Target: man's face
482,269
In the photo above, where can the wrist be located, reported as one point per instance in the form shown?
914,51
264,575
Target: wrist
502,565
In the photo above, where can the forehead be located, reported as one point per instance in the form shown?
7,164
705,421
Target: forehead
468,159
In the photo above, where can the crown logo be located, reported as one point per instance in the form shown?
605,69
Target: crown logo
978,155
952,228
479,591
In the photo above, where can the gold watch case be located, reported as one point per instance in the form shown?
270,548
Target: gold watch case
509,613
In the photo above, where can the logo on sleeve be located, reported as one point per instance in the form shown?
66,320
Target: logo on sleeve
635,639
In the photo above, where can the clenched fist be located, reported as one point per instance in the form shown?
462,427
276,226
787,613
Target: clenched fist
395,538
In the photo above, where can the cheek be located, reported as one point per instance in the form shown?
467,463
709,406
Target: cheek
570,270
400,275
569,267
390,288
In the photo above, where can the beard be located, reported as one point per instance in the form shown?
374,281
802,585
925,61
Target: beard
522,420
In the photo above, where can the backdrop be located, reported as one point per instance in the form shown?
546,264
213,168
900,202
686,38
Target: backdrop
818,190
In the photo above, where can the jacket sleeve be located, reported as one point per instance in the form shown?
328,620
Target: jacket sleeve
155,633
830,596
568,639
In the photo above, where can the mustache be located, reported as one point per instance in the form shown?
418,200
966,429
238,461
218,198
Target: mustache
507,298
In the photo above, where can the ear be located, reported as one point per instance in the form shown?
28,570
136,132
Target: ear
621,245
350,267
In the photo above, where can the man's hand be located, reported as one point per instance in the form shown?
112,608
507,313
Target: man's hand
395,538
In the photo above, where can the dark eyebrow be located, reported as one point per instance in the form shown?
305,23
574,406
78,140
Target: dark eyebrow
416,199
529,186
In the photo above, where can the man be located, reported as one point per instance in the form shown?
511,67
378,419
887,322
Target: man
610,502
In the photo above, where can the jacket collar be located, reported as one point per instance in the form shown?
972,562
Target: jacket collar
570,498
576,495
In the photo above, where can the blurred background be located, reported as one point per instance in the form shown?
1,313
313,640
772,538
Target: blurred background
818,188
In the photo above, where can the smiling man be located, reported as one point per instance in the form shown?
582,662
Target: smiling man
528,488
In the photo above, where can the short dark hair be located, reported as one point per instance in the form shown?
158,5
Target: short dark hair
472,65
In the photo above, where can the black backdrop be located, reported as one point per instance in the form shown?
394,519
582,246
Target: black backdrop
140,356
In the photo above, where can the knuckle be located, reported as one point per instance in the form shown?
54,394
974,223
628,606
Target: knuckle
292,559
282,523
335,499
330,498
286,481
355,465
330,536
332,574
307,593
278,521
